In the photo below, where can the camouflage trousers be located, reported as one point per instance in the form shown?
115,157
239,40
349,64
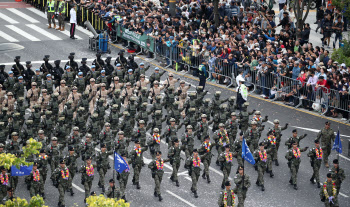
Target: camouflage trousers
176,166
158,180
102,172
294,168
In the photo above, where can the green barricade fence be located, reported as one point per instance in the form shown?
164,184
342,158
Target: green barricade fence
143,41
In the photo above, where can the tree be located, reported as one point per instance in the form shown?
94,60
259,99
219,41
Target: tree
101,201
299,14
216,13
8,159
35,201
342,6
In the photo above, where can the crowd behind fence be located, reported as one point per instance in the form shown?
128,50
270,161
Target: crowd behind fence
180,57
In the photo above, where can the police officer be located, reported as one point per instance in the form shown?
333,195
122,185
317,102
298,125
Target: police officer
202,73
50,9
61,10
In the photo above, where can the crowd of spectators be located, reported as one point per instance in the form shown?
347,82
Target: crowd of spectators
252,37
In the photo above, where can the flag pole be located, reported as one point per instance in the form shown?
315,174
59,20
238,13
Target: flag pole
114,171
338,145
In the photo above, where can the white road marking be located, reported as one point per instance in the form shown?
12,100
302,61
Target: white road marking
50,61
23,33
36,11
8,19
342,194
7,37
78,188
344,157
178,197
43,32
23,15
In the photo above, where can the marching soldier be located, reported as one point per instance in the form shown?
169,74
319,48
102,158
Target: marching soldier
123,178
338,175
226,163
69,76
80,83
71,163
137,160
98,62
193,164
244,117
187,141
9,103
154,142
43,161
242,184
259,120
47,123
260,157
329,193
92,90
293,156
294,138
63,92
102,79
115,85
142,82
221,140
61,177
203,127
121,144
42,139
157,166
154,92
17,68
74,140
33,95
216,102
2,96
227,196
141,70
171,132
103,165
232,127
130,77
71,63
61,131
27,75
327,137
181,91
75,97
270,145
113,191
88,147
121,59
315,155
253,135
37,78
4,183
206,154
48,84
34,182
277,130
106,136
87,176
44,100
156,76
127,93
93,73
18,88
46,67
54,150
109,68
57,73
119,73
174,154
84,68
157,121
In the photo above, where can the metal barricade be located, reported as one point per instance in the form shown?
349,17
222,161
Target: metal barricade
338,100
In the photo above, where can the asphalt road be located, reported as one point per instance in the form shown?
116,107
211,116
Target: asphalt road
278,191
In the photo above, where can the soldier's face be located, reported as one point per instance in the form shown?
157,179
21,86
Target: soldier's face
254,126
15,138
88,162
327,126
76,132
62,165
204,119
276,125
111,184
295,134
233,117
35,167
54,142
189,131
41,135
87,139
142,125
159,156
240,171
121,136
103,149
71,152
176,144
261,148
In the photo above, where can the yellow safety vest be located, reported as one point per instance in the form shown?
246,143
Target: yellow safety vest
117,17
51,6
60,5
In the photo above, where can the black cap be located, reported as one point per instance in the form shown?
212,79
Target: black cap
261,144
207,137
88,158
241,133
42,151
83,59
2,66
57,61
227,183
103,145
241,168
294,131
71,148
93,193
294,143
111,181
46,56
137,142
176,140
28,62
108,58
62,161
18,57
159,152
72,53
317,141
227,146
195,150
9,189
321,77
335,161
329,175
35,163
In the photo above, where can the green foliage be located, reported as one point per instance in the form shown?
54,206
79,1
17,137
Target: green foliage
101,201
8,159
35,201
341,4
342,55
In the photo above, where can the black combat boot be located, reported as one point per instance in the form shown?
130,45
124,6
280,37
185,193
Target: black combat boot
208,179
195,194
177,183
138,185
160,197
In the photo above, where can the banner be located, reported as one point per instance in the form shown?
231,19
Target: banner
337,144
119,163
143,41
246,154
24,170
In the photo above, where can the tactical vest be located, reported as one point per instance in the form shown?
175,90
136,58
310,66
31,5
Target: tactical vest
60,5
51,6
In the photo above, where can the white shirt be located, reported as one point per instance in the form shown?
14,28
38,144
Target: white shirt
239,78
73,16
282,1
